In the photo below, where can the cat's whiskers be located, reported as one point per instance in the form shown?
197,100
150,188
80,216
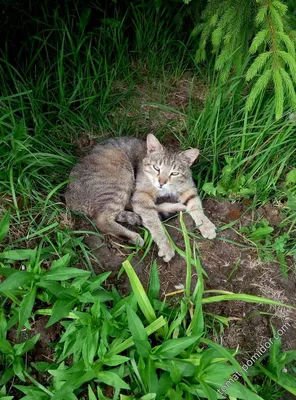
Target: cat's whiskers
126,170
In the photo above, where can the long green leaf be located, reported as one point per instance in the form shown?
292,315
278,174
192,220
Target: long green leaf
17,255
229,357
64,273
245,297
61,262
138,332
5,347
155,326
26,307
154,283
91,395
139,292
22,348
173,347
60,310
188,256
4,225
19,279
196,325
113,360
112,379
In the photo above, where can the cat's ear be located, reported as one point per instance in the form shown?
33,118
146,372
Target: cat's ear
189,155
153,144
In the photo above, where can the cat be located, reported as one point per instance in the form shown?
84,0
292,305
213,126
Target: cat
121,180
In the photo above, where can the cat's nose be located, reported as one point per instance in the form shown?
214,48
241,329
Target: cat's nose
161,183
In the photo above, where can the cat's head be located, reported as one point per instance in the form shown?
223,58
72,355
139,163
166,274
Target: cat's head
167,169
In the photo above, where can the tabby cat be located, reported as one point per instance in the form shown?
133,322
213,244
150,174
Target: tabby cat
121,180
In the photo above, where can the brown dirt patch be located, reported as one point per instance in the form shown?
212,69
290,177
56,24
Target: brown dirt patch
232,264
42,350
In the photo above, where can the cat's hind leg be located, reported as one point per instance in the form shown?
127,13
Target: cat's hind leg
106,223
129,217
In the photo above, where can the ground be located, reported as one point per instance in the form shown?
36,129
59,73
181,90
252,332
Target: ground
232,264
232,261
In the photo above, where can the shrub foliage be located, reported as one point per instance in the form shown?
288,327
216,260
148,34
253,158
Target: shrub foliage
257,35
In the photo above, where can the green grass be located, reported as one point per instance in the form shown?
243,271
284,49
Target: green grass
135,344
66,81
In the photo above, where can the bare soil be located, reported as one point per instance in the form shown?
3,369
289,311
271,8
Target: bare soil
231,263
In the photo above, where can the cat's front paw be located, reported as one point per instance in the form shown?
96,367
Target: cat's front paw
207,229
167,252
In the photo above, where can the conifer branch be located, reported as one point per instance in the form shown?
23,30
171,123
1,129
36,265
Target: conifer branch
228,25
278,47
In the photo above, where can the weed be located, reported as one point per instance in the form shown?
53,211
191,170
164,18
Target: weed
72,72
128,343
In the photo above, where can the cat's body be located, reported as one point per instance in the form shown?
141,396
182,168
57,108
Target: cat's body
121,180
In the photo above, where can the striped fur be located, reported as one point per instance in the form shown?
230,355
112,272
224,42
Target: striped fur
121,180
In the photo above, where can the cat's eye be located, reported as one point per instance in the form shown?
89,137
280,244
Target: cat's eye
156,168
175,173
